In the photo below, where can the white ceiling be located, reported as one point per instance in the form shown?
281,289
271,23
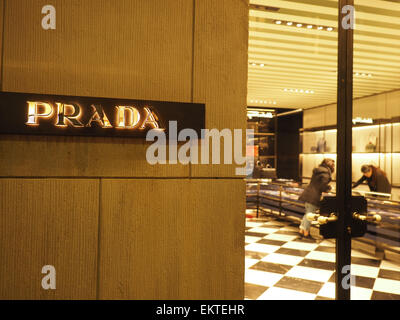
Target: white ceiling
306,59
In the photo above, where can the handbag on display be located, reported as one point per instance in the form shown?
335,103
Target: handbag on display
372,142
321,145
313,149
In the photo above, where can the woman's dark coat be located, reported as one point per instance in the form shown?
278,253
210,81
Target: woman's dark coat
321,177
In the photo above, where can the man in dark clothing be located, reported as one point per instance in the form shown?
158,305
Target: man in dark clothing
376,179
321,177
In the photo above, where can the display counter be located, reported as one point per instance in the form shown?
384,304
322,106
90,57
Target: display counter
280,197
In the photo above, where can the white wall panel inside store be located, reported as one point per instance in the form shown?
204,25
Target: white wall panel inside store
377,144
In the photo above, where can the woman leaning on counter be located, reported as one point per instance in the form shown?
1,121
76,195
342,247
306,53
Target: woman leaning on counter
376,179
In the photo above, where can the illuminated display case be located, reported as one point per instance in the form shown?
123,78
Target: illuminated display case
376,143
281,198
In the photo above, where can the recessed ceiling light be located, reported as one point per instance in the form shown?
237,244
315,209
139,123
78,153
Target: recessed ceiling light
253,64
274,102
299,25
298,90
262,65
362,74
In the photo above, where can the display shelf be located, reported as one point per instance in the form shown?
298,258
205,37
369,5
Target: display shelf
264,134
264,140
334,180
270,197
377,144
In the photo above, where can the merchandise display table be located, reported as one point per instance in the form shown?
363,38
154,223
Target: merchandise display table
280,197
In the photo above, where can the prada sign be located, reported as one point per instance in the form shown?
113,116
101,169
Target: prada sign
26,113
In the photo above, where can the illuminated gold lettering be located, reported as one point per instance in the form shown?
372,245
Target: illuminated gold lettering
71,114
72,117
38,110
100,117
127,122
150,119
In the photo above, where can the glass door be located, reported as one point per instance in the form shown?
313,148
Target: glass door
336,65
375,257
293,63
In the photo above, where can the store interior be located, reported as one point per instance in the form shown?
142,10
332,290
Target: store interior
292,94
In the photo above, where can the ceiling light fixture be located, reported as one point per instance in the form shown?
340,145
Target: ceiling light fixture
300,24
298,90
254,64
363,74
263,101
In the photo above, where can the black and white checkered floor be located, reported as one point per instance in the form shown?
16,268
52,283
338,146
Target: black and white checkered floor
284,266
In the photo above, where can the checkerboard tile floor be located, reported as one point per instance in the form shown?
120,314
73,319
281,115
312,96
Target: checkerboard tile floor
282,265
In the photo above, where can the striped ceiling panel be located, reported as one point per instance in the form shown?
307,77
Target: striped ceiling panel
287,51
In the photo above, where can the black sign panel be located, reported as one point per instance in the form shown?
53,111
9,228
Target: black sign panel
28,113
